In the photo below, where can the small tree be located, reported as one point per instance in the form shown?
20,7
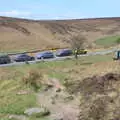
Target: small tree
78,42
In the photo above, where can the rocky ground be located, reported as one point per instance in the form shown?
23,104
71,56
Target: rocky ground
60,103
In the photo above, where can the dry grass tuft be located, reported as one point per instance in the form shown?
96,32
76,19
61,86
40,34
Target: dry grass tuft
34,79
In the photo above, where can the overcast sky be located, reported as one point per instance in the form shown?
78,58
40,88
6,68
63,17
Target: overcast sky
59,9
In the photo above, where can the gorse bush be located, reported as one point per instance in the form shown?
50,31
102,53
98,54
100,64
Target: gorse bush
33,79
118,40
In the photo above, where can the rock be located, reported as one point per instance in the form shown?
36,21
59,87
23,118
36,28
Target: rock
50,86
37,112
58,90
52,101
47,87
23,92
69,98
17,117
56,96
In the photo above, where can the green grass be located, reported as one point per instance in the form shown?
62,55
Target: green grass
10,101
52,65
44,118
11,81
71,62
108,41
4,117
17,104
97,58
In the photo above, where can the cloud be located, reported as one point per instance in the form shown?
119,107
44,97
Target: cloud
24,14
15,13
42,16
69,15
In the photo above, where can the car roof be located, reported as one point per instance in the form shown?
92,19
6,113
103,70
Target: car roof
21,54
3,54
64,50
44,52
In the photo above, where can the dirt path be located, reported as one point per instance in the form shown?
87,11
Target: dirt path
57,104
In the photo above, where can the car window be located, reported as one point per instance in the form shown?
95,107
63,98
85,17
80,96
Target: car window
48,53
23,56
4,57
67,51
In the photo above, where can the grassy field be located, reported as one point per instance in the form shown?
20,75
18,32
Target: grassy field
107,41
10,102
11,80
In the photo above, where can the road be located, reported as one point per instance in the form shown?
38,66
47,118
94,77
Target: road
62,58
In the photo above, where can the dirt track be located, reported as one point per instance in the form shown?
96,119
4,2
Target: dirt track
68,110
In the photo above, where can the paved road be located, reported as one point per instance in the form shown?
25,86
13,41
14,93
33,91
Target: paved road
62,58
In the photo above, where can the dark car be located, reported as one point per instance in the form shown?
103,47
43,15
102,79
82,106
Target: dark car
23,58
64,52
116,55
5,59
45,55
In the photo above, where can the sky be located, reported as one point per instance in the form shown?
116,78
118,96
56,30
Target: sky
59,9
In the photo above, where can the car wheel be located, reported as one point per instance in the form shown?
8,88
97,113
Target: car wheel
5,62
32,58
39,58
42,58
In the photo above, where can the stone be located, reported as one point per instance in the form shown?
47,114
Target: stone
58,90
37,112
53,102
47,87
17,117
70,97
23,92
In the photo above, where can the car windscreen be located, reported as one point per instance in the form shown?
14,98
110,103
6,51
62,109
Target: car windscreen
4,57
68,51
48,53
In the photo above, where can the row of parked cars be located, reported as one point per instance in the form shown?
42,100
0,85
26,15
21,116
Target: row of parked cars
4,59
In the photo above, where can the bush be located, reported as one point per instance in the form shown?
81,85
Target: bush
118,41
33,79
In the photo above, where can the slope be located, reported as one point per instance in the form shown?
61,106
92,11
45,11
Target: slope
23,34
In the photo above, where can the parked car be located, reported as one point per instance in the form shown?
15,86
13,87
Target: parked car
116,55
45,55
23,58
64,52
5,59
82,51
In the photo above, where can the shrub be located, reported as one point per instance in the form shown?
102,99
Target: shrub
33,79
118,41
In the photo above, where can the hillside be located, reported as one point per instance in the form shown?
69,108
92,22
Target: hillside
22,34
88,90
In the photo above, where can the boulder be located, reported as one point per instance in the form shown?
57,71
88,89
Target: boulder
68,98
17,117
37,112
